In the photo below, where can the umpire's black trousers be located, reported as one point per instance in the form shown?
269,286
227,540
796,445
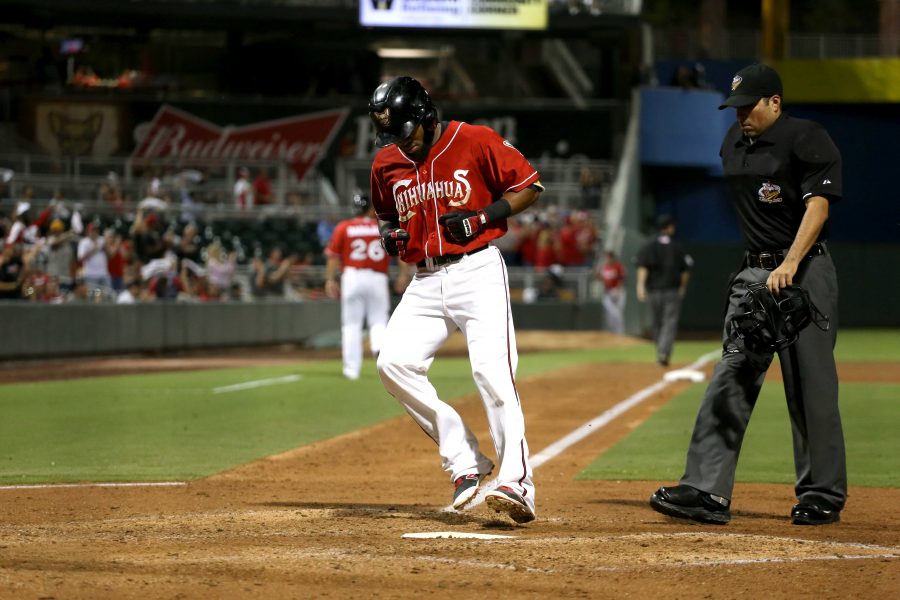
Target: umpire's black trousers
811,389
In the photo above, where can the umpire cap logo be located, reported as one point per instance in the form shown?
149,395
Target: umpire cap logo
736,82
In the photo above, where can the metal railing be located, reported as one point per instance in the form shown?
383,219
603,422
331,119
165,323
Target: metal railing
210,184
562,178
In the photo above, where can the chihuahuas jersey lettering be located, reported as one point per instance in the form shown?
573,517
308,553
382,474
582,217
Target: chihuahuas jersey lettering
469,167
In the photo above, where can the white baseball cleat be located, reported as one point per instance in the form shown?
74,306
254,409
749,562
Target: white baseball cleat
506,500
466,489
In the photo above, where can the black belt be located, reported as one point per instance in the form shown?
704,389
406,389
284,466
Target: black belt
771,260
446,259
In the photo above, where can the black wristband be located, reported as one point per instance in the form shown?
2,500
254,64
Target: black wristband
499,209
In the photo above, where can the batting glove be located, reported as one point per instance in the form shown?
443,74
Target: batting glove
460,225
394,241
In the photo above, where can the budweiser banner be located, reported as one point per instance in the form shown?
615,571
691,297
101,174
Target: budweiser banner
300,141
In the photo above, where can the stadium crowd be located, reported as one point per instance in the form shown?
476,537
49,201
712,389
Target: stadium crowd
59,255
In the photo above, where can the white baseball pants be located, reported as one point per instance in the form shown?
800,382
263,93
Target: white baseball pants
473,296
364,299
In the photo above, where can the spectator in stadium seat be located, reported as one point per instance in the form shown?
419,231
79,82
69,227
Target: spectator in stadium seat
80,293
116,258
546,248
148,239
577,237
25,228
325,229
166,286
269,275
305,279
93,259
243,190
220,268
59,250
188,245
510,243
262,188
131,294
12,273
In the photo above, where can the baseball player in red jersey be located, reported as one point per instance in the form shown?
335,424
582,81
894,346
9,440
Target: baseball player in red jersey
356,253
443,191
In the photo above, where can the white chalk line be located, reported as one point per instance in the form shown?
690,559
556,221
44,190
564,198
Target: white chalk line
883,552
768,538
258,383
41,486
595,424
560,446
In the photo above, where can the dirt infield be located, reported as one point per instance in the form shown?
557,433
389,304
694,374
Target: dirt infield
327,520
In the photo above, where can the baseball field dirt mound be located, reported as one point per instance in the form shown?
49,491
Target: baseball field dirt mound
327,521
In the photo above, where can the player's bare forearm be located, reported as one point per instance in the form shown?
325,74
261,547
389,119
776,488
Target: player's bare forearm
521,200
332,267
682,288
810,226
642,283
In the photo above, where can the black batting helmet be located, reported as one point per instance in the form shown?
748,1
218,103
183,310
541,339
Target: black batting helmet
397,107
361,202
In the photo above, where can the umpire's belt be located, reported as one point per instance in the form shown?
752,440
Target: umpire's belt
771,260
434,262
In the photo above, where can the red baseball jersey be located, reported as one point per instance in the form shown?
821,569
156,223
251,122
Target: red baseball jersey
612,274
469,167
357,242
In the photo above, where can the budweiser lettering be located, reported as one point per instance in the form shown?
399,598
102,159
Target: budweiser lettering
301,141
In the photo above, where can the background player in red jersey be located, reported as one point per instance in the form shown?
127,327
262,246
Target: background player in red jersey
443,191
356,246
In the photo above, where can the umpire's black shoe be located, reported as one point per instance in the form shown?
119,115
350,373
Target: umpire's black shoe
806,513
686,502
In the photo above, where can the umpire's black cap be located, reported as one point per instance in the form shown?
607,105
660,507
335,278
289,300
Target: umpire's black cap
665,220
752,83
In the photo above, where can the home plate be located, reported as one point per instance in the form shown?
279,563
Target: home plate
431,535
684,375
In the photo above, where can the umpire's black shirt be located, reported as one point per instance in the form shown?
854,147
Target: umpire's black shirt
772,176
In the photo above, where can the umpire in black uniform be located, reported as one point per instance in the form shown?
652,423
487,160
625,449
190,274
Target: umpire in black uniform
664,269
784,173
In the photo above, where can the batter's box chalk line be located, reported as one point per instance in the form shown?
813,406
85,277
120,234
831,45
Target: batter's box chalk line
462,535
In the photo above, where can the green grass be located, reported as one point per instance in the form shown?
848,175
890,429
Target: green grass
656,451
171,426
868,345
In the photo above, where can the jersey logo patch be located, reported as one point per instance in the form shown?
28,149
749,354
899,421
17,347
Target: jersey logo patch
736,82
770,193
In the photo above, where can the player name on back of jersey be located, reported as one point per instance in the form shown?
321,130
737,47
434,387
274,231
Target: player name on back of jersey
363,230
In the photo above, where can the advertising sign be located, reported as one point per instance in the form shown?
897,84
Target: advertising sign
301,141
455,14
